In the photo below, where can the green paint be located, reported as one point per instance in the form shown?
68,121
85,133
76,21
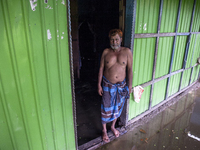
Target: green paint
196,22
159,92
185,16
191,50
143,57
147,13
195,74
179,53
35,82
164,56
174,84
196,50
136,109
169,16
186,78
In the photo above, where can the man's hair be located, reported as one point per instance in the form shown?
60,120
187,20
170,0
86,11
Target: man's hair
113,32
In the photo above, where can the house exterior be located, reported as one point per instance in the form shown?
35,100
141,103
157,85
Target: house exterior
37,103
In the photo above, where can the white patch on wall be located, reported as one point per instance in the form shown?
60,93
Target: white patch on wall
63,2
49,35
48,7
145,26
33,5
61,36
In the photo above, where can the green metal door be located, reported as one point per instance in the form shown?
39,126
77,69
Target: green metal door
36,109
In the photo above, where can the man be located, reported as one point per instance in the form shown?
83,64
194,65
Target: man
115,62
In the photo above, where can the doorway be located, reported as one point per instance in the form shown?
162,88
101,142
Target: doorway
91,22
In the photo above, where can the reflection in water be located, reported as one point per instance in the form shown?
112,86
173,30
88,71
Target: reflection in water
175,128
194,137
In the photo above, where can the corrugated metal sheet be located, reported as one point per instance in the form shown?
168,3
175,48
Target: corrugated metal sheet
195,74
164,56
159,92
143,53
196,50
185,15
35,85
137,108
191,50
169,16
147,13
186,78
179,53
143,57
174,84
196,22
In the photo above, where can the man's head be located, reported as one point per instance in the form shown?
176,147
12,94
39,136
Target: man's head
113,32
115,36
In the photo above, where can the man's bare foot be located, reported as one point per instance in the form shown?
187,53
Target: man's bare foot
105,137
115,131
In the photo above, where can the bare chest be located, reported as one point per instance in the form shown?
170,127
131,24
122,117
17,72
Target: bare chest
115,58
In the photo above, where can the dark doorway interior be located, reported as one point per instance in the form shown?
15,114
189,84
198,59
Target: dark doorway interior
95,19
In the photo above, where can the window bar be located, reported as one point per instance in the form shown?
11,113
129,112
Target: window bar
187,48
165,76
173,50
155,54
149,35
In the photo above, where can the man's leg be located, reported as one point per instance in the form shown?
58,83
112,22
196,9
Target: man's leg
115,131
104,134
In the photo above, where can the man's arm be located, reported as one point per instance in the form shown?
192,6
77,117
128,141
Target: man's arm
130,70
101,69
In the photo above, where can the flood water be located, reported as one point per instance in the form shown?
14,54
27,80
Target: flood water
175,128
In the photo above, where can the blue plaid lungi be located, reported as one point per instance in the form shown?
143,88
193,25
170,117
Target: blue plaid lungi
113,99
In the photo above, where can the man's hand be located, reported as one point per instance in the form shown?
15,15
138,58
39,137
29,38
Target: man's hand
100,90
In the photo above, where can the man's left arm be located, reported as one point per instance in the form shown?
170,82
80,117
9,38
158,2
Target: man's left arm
129,69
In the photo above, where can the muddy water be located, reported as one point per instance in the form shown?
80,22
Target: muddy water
175,128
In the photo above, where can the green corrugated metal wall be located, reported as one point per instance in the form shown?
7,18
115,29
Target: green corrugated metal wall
35,84
146,21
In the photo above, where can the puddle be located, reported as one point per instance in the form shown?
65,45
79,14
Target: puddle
175,128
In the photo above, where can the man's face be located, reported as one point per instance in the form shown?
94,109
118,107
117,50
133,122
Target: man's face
115,41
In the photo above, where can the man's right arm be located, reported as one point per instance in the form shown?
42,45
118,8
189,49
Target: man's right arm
101,69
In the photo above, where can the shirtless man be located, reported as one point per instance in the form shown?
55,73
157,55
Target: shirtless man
115,62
